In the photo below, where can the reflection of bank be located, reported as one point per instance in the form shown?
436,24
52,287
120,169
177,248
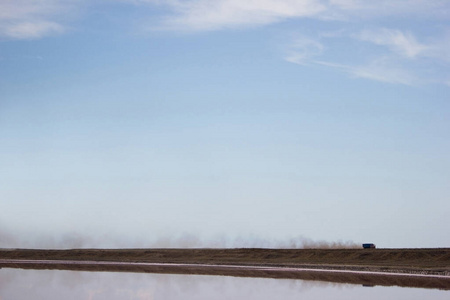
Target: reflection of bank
367,278
71,285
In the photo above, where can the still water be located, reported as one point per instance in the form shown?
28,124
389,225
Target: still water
50,284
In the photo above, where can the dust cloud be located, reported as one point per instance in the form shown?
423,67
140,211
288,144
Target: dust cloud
77,240
222,241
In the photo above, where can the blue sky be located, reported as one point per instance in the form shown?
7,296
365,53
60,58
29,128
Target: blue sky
224,123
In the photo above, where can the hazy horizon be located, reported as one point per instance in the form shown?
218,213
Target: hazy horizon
135,122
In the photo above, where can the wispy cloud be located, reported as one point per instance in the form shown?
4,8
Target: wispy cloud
403,43
369,9
395,55
400,59
397,60
222,14
30,19
31,30
379,70
18,17
207,15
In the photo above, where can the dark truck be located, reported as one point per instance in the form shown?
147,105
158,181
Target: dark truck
368,246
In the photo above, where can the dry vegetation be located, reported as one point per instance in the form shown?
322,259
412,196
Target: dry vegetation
421,259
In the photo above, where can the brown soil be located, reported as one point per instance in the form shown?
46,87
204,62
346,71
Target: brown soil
421,261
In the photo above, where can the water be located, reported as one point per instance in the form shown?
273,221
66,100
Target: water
19,284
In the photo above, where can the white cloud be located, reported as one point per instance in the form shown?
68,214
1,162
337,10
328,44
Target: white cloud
394,66
221,14
27,19
204,15
401,58
379,70
29,30
207,15
369,9
403,43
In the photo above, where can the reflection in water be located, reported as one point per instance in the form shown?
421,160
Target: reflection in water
45,284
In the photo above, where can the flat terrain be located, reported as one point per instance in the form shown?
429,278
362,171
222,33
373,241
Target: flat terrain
388,261
434,261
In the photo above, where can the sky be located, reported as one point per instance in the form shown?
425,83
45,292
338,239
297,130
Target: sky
224,123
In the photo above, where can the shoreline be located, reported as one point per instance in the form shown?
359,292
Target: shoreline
325,276
303,268
423,268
